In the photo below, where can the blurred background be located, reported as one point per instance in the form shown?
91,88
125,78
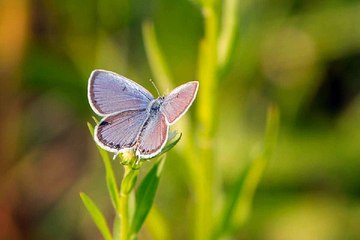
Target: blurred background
302,55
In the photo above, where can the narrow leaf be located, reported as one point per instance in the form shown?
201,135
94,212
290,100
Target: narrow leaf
169,145
97,216
95,120
110,176
229,30
91,128
239,203
156,59
256,169
145,195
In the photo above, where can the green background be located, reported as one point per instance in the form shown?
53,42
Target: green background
303,56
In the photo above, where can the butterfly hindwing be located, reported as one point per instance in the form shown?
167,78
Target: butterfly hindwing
121,130
153,135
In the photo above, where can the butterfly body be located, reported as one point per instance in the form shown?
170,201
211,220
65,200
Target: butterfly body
155,105
132,118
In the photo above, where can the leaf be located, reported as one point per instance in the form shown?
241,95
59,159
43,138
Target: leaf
145,195
110,176
172,143
97,216
238,206
91,128
95,120
228,33
156,59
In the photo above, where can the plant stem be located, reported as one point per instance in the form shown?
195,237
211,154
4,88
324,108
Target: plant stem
124,208
205,177
127,185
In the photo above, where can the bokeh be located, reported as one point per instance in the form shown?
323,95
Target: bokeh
303,56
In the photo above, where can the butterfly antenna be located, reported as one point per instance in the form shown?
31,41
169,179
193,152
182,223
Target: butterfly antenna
153,83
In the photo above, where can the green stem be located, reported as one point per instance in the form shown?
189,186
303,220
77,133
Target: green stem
205,185
127,186
124,208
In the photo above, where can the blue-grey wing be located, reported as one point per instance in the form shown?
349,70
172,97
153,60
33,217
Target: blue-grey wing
153,135
109,93
179,100
121,130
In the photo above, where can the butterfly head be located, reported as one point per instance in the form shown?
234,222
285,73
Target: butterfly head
156,104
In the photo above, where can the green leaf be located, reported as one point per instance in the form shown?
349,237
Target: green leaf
156,59
238,206
97,216
228,33
145,195
172,143
110,176
129,181
91,128
95,120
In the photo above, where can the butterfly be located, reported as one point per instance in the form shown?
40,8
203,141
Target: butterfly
132,117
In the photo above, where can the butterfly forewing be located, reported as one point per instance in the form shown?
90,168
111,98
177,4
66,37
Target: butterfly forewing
120,130
179,101
153,135
110,93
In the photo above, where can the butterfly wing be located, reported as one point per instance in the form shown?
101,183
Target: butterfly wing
109,93
179,100
153,135
121,130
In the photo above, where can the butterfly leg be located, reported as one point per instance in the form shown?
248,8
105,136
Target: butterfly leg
115,155
137,160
